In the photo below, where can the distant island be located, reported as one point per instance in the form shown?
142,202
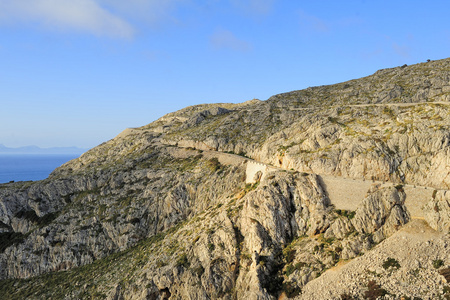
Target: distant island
38,150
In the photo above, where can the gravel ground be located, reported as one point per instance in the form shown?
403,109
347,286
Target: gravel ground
415,247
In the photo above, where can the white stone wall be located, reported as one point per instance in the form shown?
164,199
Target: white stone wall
347,193
253,168
344,193
416,198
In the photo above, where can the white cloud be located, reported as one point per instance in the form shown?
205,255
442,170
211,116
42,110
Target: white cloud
254,6
225,39
401,50
313,23
149,11
79,15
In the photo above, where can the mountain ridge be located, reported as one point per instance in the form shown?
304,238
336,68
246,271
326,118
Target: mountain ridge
176,210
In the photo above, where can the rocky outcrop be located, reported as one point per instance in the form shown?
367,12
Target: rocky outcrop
234,247
437,211
66,223
408,264
364,128
201,116
382,213
161,212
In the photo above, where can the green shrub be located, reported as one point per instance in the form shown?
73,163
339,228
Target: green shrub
374,291
289,253
243,154
250,187
399,187
289,270
160,264
10,238
291,289
211,247
328,240
437,263
183,261
388,111
349,214
346,296
214,164
446,290
391,263
246,256
199,270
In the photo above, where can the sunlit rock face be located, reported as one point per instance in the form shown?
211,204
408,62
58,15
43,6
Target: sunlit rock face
258,200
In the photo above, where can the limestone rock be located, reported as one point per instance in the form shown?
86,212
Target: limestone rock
175,210
437,211
381,213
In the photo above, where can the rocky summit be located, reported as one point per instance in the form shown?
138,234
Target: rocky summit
332,192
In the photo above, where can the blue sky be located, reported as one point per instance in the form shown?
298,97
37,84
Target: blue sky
78,72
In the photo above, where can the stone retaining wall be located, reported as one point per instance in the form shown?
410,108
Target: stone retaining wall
347,193
344,193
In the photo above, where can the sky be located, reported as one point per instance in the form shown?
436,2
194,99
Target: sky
78,72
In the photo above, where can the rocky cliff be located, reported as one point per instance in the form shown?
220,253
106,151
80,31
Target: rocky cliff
166,211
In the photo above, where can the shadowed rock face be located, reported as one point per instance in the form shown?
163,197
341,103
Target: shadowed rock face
161,212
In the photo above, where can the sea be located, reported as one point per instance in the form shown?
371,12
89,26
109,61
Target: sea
26,167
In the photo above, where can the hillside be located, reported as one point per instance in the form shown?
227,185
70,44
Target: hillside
332,192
